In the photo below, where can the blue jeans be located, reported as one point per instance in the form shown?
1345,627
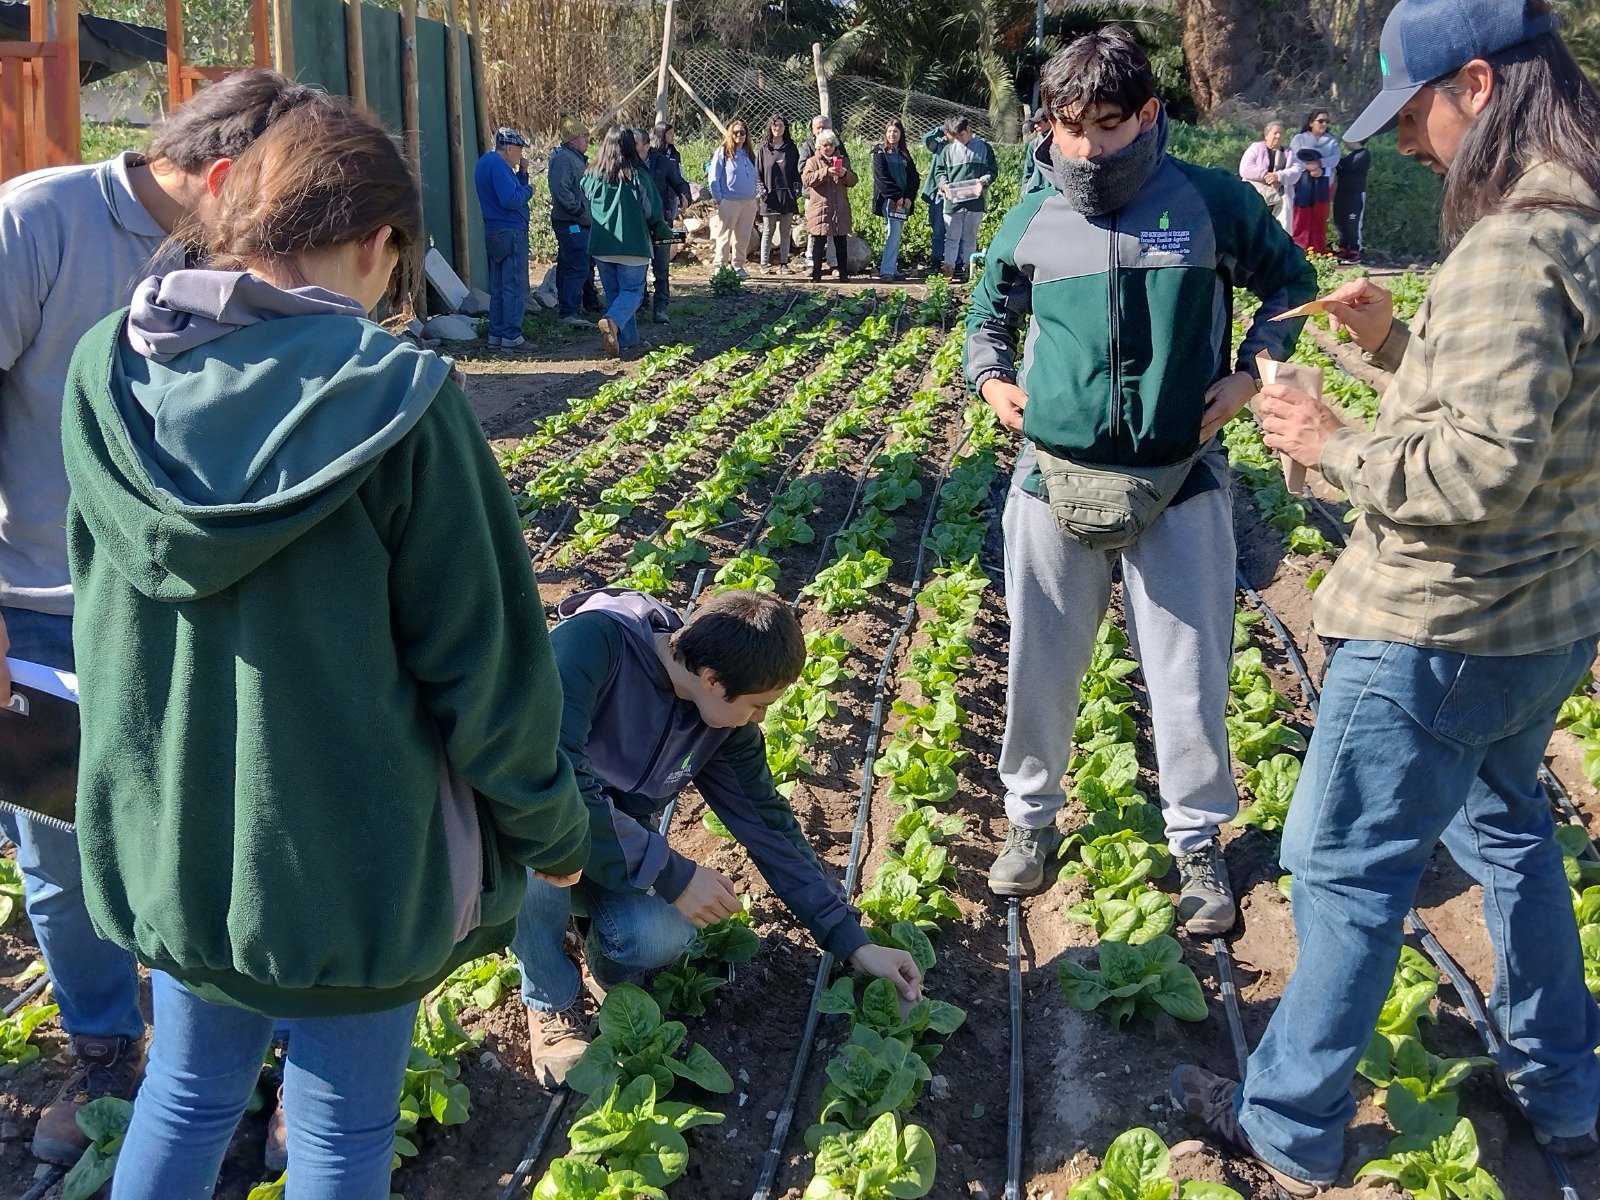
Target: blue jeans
1412,746
630,933
341,1098
624,288
508,281
936,227
890,262
96,983
572,268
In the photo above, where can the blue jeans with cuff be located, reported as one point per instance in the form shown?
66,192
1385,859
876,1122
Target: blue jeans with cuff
95,982
624,290
630,934
341,1098
507,251
1413,746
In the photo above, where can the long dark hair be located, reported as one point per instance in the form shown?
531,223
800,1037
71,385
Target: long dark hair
894,123
1312,116
324,174
777,119
618,160
1542,110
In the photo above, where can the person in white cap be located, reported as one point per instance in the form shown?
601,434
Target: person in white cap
1464,611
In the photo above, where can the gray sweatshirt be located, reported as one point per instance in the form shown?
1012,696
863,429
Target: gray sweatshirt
74,242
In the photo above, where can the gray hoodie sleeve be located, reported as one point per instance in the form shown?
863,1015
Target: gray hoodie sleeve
739,789
21,266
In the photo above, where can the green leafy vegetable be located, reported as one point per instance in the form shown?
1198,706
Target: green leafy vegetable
634,1041
1136,1167
105,1123
1136,979
882,1162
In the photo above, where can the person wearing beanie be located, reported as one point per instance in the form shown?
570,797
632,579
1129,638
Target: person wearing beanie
1464,611
501,177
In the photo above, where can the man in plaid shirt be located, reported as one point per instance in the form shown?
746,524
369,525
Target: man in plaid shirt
1465,609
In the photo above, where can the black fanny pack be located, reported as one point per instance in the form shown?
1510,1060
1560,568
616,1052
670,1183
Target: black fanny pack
1104,507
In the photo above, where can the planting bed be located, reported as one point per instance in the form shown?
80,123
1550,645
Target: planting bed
825,448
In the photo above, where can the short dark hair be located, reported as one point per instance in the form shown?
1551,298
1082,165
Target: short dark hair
955,125
1104,67
752,640
224,118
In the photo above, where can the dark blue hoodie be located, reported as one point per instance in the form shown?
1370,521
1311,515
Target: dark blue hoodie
634,744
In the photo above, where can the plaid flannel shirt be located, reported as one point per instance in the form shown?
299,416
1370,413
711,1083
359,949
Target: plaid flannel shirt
1480,484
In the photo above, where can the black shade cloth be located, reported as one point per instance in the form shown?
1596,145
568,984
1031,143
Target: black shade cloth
105,47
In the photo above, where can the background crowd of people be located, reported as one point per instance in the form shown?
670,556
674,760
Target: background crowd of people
1314,177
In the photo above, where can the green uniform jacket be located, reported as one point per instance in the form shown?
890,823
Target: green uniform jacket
320,711
1131,313
626,216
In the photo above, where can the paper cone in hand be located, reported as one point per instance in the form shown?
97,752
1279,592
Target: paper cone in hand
1302,378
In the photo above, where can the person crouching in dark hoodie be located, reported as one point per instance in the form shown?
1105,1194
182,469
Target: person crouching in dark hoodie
297,799
653,704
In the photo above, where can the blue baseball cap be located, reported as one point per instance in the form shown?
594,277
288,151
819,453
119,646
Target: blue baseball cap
507,136
1425,40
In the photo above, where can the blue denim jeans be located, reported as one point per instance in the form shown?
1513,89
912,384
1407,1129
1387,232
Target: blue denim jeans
341,1098
96,983
630,934
936,228
624,288
890,262
572,268
1412,746
507,250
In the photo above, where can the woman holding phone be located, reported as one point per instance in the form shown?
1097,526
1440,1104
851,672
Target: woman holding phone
828,179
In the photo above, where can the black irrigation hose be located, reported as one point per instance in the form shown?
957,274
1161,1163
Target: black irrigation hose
45,1182
1230,1004
1014,1097
1291,650
1471,1003
849,512
566,515
1328,515
28,993
791,1096
536,1147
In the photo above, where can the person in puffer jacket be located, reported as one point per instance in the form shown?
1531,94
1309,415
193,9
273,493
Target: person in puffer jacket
1127,259
651,705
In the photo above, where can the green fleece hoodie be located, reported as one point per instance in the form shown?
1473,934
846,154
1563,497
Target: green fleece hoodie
320,712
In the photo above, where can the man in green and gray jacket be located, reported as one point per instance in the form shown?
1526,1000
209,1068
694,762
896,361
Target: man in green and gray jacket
1140,381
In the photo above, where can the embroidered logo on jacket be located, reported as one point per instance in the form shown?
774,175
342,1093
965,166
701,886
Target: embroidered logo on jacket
682,773
1164,239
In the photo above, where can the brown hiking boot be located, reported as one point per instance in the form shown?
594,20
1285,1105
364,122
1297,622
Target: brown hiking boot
275,1154
106,1066
558,1040
1207,1100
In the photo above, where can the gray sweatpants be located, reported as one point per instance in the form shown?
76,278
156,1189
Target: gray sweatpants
1178,592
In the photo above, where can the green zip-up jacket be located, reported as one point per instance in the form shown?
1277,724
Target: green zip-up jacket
320,710
1131,312
626,217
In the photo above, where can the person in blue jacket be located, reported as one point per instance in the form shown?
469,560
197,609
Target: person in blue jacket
503,194
650,705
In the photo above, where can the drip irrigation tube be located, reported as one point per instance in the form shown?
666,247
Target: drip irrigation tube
566,516
791,1096
1230,1005
1471,1002
1308,689
849,512
35,988
536,1147
1014,1099
44,1183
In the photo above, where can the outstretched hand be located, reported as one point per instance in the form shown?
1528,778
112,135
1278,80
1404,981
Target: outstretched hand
893,964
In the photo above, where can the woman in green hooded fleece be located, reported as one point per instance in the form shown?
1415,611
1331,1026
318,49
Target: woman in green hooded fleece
320,713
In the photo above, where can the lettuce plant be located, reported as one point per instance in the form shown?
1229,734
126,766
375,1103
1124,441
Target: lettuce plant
882,1162
1143,979
1136,1167
635,1041
1437,1167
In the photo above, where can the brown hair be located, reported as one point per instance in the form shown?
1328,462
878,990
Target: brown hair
752,640
1542,110
730,147
1104,67
224,118
324,175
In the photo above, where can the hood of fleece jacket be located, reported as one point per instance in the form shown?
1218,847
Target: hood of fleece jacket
641,618
231,417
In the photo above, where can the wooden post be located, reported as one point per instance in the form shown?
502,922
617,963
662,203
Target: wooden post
355,59
283,35
824,101
411,118
458,158
662,78
694,97
63,128
175,95
604,118
260,35
480,98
